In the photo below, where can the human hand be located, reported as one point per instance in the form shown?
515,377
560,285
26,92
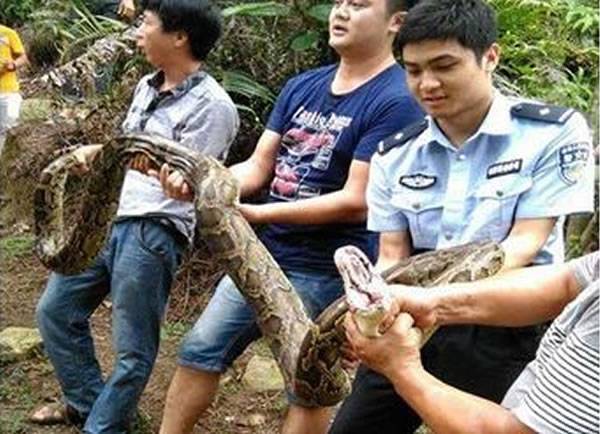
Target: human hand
416,301
141,163
7,66
349,359
126,9
84,156
397,350
173,183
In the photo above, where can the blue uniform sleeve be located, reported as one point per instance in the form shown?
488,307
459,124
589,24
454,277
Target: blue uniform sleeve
279,115
563,179
393,117
382,215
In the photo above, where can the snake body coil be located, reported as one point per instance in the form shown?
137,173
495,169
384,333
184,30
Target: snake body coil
307,352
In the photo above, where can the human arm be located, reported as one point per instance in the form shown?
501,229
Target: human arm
345,205
443,408
255,172
18,61
515,298
524,241
393,246
252,174
19,57
84,156
562,183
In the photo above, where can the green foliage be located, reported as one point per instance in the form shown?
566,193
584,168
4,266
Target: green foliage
15,13
241,84
264,9
18,245
316,17
550,49
174,330
64,29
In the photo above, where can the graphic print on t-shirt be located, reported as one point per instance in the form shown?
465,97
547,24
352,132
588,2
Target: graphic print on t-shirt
307,147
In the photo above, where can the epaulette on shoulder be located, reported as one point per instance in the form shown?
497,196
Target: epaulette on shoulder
403,136
542,112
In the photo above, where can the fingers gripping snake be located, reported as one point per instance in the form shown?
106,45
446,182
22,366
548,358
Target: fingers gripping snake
307,352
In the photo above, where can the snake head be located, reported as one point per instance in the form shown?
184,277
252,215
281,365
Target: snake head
367,293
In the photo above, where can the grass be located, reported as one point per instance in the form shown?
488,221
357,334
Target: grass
15,388
17,245
174,330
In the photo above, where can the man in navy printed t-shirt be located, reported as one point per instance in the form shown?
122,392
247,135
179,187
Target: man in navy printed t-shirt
315,152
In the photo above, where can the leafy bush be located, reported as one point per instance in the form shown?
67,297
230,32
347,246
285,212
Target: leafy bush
550,49
15,13
63,29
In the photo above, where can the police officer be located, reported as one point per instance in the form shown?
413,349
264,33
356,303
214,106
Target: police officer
481,166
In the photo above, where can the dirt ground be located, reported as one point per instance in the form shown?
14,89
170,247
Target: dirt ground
25,385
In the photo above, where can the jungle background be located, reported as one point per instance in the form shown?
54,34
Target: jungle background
81,77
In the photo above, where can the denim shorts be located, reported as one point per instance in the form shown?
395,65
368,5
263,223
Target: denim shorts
227,325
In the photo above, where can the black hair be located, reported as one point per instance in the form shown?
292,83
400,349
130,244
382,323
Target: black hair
470,22
200,20
394,6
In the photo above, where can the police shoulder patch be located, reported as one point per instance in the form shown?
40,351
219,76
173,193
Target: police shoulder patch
403,136
572,159
542,112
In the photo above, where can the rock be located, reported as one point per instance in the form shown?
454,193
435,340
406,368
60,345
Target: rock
262,374
253,420
34,109
18,343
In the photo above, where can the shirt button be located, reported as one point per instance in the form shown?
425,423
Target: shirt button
462,157
499,193
448,236
416,206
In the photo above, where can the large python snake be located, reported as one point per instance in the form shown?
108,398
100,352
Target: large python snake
307,352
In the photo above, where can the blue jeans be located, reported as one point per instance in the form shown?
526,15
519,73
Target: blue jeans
136,267
227,324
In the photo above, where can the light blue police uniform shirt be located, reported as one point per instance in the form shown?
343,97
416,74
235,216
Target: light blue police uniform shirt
511,168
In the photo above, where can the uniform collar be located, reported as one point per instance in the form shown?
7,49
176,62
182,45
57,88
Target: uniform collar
497,122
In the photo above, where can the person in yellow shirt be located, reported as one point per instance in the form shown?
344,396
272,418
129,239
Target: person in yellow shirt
12,57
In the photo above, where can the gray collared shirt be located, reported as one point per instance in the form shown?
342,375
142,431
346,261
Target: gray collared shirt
198,114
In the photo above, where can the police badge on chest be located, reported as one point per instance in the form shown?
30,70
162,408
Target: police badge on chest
418,181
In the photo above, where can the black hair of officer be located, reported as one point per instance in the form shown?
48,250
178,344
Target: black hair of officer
470,22
200,20
394,6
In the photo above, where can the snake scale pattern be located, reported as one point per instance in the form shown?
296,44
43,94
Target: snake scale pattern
307,352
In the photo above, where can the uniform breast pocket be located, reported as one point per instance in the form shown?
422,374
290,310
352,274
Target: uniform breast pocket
423,210
496,201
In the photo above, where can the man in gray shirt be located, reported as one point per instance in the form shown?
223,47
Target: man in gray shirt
180,102
557,392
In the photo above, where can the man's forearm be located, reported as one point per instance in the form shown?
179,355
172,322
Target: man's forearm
330,208
21,60
515,298
525,240
445,409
